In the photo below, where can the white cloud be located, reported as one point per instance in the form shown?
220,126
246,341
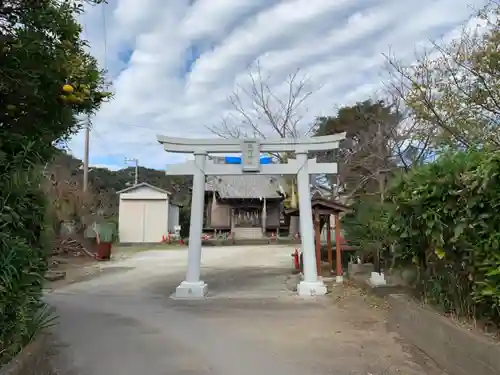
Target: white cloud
174,63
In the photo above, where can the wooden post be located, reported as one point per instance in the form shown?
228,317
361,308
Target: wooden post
318,241
329,241
339,277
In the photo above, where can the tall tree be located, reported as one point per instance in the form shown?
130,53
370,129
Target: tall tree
377,143
453,91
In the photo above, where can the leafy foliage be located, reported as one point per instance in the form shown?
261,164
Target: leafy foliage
445,220
453,93
366,228
40,52
23,252
42,62
366,156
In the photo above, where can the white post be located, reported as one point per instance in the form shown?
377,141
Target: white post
264,217
193,287
311,285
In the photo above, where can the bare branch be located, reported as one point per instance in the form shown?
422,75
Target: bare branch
452,90
259,111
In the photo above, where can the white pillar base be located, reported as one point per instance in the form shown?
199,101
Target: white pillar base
307,289
339,279
191,290
377,279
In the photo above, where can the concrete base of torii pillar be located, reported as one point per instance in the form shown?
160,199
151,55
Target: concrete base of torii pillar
191,290
311,288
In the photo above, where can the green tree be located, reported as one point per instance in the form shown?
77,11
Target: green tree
47,80
41,52
366,157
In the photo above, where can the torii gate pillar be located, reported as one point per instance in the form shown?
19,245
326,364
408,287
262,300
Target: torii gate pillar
192,287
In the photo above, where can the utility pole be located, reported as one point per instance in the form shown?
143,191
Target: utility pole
86,155
136,170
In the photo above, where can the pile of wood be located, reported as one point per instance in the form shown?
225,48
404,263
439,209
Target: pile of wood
72,246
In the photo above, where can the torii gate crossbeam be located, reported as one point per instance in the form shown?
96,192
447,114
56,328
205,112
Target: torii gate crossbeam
192,287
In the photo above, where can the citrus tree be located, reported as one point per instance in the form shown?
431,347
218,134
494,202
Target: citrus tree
46,76
47,80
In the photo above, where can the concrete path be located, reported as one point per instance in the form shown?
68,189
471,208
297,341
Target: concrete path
124,323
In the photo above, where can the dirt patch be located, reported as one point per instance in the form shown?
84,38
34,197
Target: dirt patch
365,316
343,333
128,250
348,296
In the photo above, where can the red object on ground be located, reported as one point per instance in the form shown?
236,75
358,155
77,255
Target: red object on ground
181,242
296,261
103,251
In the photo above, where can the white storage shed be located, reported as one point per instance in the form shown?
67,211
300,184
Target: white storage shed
146,214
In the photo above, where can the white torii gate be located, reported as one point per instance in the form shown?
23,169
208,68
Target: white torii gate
192,287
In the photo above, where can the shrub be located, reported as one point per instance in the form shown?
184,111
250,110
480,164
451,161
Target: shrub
23,261
446,220
366,228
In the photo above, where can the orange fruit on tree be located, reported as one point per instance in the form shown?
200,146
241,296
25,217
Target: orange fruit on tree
68,89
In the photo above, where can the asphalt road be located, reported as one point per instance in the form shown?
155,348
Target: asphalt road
124,323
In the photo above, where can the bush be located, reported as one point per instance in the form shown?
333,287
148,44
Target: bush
23,262
446,220
366,228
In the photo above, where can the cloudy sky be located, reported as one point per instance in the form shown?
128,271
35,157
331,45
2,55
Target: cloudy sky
174,63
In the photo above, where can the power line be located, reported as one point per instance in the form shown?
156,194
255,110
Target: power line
101,142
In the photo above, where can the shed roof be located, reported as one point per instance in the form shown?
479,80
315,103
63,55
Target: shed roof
321,203
245,186
143,184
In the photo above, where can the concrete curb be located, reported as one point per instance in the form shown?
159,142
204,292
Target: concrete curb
34,359
457,349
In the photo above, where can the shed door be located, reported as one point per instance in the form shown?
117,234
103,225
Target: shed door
131,221
156,220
